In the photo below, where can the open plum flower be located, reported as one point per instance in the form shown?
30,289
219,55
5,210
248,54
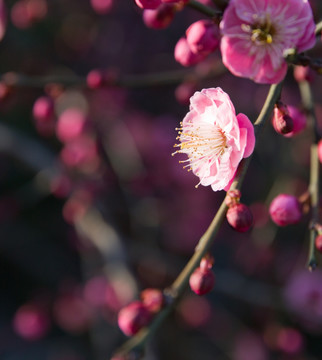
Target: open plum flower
256,34
214,138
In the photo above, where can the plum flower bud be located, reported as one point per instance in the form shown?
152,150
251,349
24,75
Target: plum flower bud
95,79
285,210
102,6
299,121
318,243
184,55
153,299
159,18
282,122
303,73
203,37
240,217
148,4
43,108
202,281
232,197
133,318
207,262
70,125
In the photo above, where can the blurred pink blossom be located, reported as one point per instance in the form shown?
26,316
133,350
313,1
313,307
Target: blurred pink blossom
303,296
214,138
102,6
70,125
256,35
31,322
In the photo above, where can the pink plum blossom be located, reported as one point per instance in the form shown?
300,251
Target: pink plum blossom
214,138
256,34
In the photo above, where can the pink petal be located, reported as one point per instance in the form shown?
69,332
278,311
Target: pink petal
245,123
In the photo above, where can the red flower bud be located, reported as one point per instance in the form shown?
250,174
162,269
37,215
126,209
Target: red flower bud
133,318
240,217
232,197
153,299
202,281
285,210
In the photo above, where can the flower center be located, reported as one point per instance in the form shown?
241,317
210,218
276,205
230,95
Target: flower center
261,32
203,143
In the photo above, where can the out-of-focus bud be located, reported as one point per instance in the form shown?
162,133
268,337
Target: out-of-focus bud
43,108
133,318
102,6
159,18
31,322
202,281
153,299
303,73
95,79
240,217
70,125
25,13
285,210
148,4
203,37
184,55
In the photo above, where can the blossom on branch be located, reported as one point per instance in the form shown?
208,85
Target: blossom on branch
214,138
256,34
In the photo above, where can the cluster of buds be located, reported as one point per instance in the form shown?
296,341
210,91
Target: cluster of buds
238,215
158,14
138,314
285,210
202,280
201,39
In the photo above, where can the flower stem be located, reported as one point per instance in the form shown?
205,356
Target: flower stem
307,100
205,242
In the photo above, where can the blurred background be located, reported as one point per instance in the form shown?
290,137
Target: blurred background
93,207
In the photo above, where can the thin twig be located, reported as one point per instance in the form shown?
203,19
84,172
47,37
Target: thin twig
308,104
205,242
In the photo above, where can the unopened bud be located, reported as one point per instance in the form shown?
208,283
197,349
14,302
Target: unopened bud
202,281
232,197
153,299
133,318
282,122
285,210
240,217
